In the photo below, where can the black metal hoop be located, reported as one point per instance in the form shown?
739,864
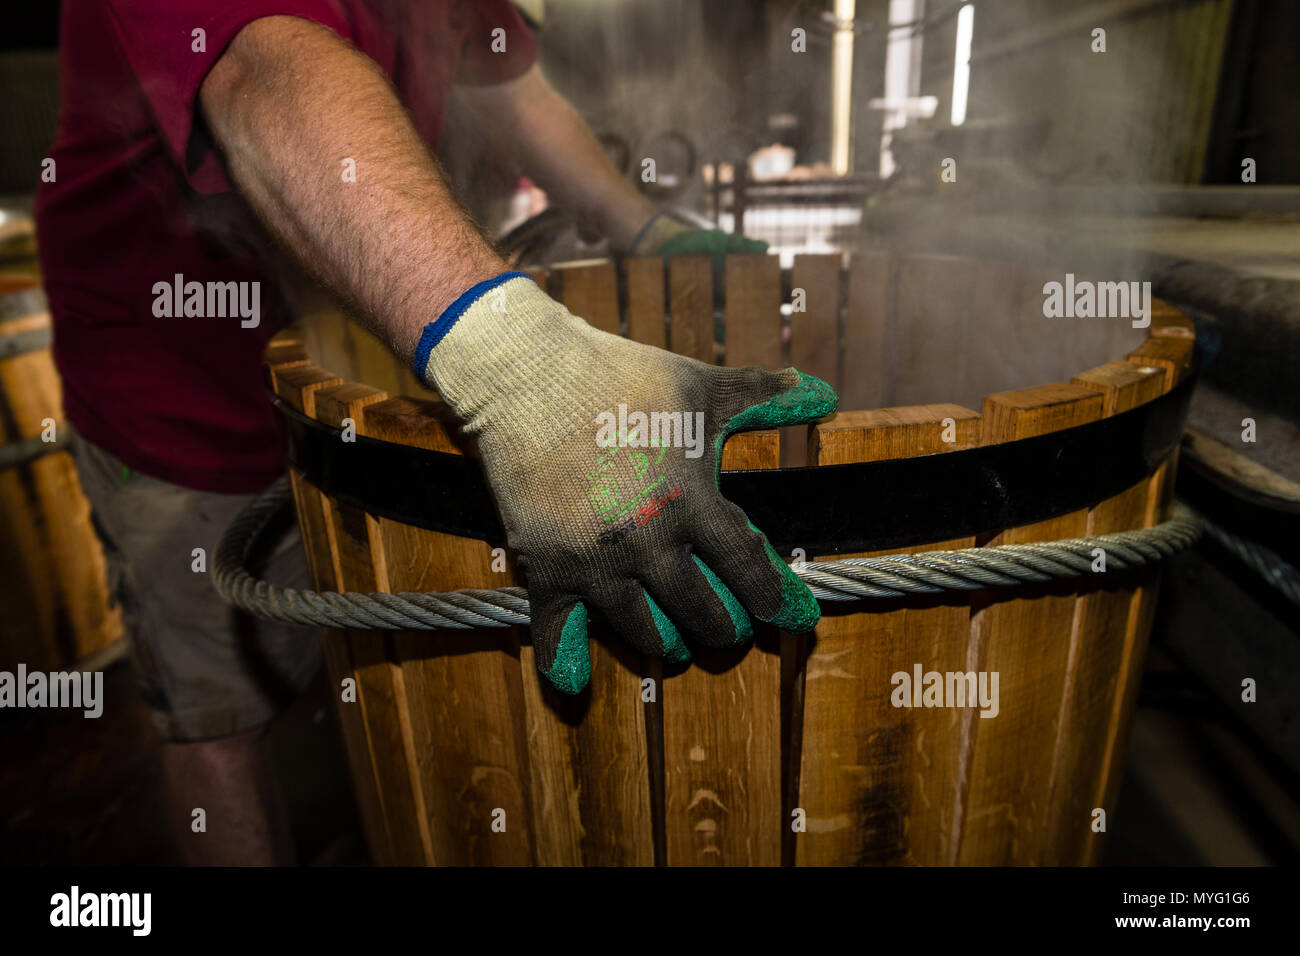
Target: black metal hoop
833,509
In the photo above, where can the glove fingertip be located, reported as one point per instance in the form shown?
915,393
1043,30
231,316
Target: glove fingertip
675,650
570,672
735,610
799,610
806,401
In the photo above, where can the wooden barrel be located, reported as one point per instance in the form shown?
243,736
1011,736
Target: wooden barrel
789,751
53,582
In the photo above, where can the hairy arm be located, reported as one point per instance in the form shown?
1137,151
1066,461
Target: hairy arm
527,118
287,103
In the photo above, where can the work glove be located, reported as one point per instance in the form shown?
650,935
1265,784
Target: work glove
603,456
664,236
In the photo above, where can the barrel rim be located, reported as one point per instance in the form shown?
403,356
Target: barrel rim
914,500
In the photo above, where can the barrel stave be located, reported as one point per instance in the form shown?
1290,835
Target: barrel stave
1026,641
690,304
457,695
878,783
590,290
1100,646
646,311
286,351
722,735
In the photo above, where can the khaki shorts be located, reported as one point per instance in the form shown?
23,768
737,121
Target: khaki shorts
206,669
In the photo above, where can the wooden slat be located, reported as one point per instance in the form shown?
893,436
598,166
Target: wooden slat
359,565
1049,357
1168,322
863,354
722,735
287,336
1058,355
590,291
371,362
932,352
690,302
645,301
585,793
814,336
1026,640
462,693
298,384
337,403
553,725
1006,322
1173,356
367,360
753,318
1171,353
590,768
1097,644
347,348
814,332
287,347
314,528
321,330
879,783
590,773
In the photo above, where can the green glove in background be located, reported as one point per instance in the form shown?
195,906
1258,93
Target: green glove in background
603,457
667,237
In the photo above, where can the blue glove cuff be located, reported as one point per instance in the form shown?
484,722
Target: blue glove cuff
436,330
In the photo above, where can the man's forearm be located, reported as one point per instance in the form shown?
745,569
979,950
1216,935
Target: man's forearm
528,119
288,103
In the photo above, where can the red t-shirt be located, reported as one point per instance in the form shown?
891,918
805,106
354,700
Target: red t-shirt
140,196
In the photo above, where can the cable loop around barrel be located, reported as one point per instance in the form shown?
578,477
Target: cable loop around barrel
850,579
